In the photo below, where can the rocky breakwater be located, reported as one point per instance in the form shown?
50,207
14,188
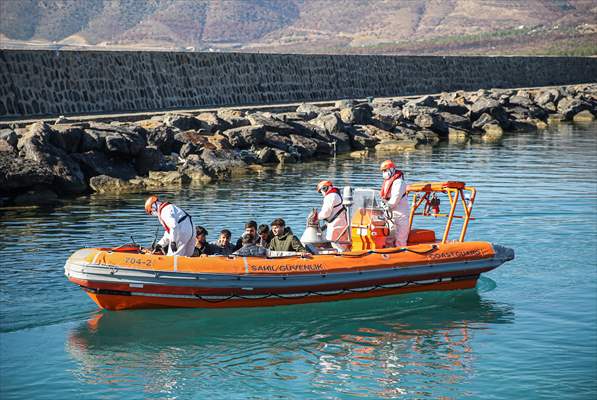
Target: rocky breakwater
41,162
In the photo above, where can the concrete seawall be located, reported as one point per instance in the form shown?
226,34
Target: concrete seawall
38,83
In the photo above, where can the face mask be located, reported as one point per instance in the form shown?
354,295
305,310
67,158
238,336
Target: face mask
387,174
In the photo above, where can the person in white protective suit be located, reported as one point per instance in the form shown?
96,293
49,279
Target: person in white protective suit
334,214
179,235
393,194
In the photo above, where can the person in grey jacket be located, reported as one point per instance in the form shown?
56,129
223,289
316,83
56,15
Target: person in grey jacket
249,248
222,246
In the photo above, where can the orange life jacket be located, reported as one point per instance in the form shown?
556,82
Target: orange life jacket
386,188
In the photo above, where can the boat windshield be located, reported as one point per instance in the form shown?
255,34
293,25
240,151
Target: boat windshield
363,199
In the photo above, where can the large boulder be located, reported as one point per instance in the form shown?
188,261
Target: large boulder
67,137
166,178
195,172
188,149
109,184
149,159
193,137
425,101
198,141
360,139
547,96
184,122
483,119
284,157
162,138
307,129
341,140
218,142
222,163
484,105
386,117
379,134
125,144
410,111
519,112
92,139
455,120
584,116
234,118
18,173
304,146
213,123
95,163
35,145
323,139
270,123
246,136
434,122
451,107
155,180
277,141
308,111
10,137
427,137
523,101
330,123
266,155
6,147
569,107
360,114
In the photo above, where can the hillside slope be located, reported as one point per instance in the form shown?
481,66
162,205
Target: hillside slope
311,26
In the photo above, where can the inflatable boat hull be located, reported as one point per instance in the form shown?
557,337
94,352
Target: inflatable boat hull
118,281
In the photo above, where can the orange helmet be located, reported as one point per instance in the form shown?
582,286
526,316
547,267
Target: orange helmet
151,200
323,184
387,164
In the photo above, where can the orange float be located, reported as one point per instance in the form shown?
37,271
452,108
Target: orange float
129,277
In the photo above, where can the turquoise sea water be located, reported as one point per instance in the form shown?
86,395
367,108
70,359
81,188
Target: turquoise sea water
529,329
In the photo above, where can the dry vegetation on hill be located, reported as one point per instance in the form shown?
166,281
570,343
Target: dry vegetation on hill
307,26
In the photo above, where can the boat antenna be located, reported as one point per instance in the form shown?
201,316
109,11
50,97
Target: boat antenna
133,239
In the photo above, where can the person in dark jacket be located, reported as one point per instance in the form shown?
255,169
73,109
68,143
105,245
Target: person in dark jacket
202,248
265,236
249,247
250,229
223,246
283,239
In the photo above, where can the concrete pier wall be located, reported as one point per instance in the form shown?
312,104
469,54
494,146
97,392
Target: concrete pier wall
38,83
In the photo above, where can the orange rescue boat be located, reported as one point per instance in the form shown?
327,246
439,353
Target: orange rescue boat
129,277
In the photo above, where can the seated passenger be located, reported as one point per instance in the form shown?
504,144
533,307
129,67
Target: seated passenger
283,239
250,228
265,236
202,248
222,246
249,248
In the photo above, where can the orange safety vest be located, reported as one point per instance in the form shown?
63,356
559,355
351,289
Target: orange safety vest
386,187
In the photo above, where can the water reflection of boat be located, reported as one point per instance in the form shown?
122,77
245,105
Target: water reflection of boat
128,277
418,334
